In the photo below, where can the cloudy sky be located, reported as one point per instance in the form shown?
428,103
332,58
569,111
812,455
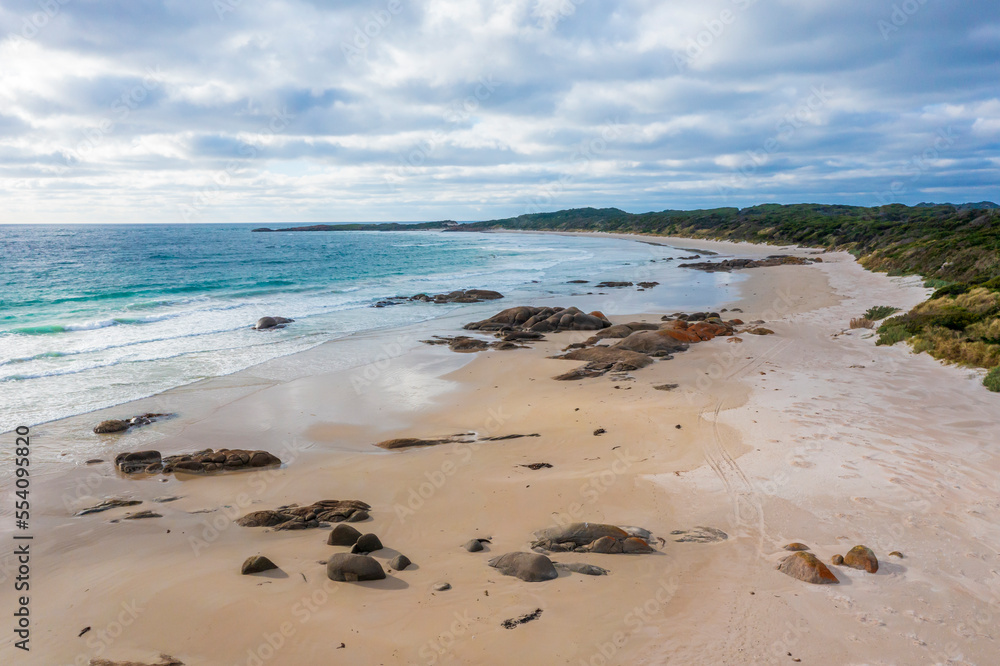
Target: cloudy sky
299,110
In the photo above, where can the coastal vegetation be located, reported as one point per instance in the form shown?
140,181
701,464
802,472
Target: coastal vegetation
955,248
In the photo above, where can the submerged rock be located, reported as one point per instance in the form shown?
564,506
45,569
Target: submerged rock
807,567
265,323
107,504
795,546
111,425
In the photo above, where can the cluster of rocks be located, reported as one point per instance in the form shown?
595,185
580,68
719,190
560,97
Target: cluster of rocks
593,538
121,425
541,320
618,285
739,264
358,565
295,517
202,462
460,296
266,323
467,296
640,343
805,566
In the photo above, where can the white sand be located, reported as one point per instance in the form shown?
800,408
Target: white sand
781,440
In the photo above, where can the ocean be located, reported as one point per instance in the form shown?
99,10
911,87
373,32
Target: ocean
97,315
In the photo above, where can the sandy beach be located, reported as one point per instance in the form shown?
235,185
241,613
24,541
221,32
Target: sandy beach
812,434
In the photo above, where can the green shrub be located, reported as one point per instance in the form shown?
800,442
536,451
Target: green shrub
935,283
890,335
992,381
955,289
880,312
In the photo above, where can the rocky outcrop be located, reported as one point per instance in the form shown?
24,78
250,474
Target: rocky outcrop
863,558
351,568
541,320
529,567
614,285
592,537
202,462
257,564
740,264
795,547
467,296
268,323
294,517
120,425
137,461
807,567
620,360
653,343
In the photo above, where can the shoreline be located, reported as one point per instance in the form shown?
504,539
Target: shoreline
432,325
757,447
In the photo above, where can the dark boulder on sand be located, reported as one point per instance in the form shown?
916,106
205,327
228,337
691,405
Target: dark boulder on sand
400,562
350,568
367,543
343,535
529,567
257,564
863,558
807,567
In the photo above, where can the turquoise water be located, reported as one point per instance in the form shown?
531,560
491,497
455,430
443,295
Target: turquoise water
93,316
